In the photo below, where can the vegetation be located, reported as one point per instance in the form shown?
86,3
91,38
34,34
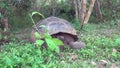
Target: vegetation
100,45
101,35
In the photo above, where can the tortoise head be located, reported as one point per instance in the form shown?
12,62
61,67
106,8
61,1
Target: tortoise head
77,45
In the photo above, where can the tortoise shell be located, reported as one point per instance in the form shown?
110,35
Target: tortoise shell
54,25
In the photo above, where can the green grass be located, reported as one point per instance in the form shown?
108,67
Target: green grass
102,43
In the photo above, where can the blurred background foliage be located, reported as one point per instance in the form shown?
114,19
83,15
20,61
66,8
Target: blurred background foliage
18,11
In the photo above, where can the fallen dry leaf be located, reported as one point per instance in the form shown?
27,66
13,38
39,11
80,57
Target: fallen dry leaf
114,50
73,56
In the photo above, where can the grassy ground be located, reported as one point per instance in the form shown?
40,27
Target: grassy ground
102,50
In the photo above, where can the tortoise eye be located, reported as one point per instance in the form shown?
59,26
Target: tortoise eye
42,27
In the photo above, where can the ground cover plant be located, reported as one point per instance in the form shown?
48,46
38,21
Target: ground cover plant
101,34
102,50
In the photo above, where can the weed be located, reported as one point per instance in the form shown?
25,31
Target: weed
52,43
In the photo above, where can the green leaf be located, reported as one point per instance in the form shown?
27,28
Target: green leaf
53,44
57,49
48,36
33,13
34,66
39,42
1,16
117,40
50,43
2,5
37,35
7,60
57,41
30,59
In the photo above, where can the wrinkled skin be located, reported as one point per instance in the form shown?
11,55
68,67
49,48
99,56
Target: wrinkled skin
69,40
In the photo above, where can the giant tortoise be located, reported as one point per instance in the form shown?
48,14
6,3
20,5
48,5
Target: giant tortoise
58,28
